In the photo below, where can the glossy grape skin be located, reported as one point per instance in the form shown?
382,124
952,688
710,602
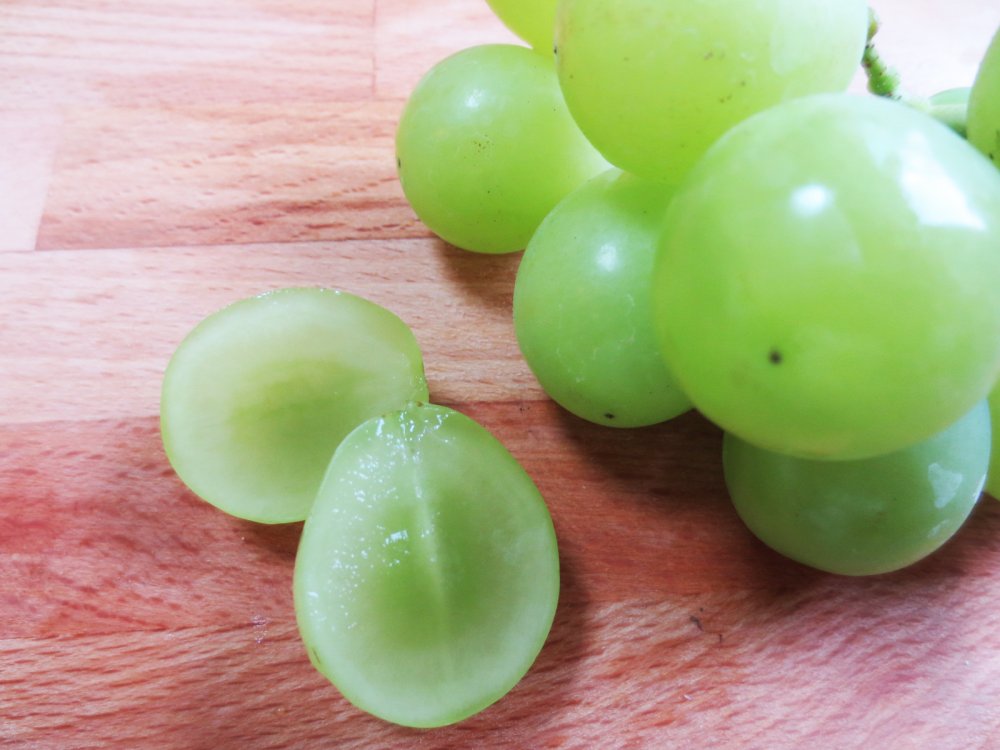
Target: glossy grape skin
984,104
427,577
257,397
486,147
532,20
827,282
652,83
862,517
582,310
993,475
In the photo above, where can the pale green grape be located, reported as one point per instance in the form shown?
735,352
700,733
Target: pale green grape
532,20
951,107
827,281
257,397
862,517
984,104
427,576
582,304
486,148
993,475
652,83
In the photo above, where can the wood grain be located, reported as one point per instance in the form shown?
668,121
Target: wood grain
159,160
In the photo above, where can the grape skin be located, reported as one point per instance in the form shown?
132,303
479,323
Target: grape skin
825,286
486,147
862,517
652,83
984,104
582,310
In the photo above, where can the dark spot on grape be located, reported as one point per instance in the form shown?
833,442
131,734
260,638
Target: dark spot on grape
709,55
399,163
555,49
774,357
608,415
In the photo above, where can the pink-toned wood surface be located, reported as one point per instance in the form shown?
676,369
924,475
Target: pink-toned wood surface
162,158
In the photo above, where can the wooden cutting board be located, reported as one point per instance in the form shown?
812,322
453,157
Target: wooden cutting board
162,158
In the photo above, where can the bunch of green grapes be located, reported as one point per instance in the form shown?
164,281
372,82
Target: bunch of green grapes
814,271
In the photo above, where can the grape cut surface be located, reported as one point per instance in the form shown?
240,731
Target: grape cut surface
427,576
258,396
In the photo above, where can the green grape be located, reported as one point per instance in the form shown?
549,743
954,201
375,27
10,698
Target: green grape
862,517
827,281
427,576
951,107
582,304
652,83
257,397
993,475
532,20
984,104
486,148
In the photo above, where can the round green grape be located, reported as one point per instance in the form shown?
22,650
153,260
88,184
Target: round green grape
486,147
862,517
984,104
427,576
993,475
827,281
652,83
582,310
258,396
532,20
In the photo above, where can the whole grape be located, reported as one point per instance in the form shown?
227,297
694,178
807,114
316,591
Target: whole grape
582,309
532,20
652,83
984,104
486,147
862,517
827,283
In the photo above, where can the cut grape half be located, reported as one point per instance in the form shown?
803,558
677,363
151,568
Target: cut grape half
427,576
258,396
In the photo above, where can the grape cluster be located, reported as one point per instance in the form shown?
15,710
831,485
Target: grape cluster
708,221
815,271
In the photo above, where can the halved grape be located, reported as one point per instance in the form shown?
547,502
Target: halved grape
652,83
427,576
258,396
582,308
827,283
486,147
862,517
984,104
532,20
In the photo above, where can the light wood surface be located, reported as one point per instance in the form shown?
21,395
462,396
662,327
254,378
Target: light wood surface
162,158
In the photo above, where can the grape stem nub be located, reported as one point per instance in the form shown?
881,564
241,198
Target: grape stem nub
882,80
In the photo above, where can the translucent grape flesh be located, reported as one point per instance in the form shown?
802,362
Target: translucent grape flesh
486,147
984,104
258,396
582,310
652,83
862,517
826,282
428,574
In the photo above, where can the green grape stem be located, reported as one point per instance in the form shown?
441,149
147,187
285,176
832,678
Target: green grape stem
885,81
882,80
